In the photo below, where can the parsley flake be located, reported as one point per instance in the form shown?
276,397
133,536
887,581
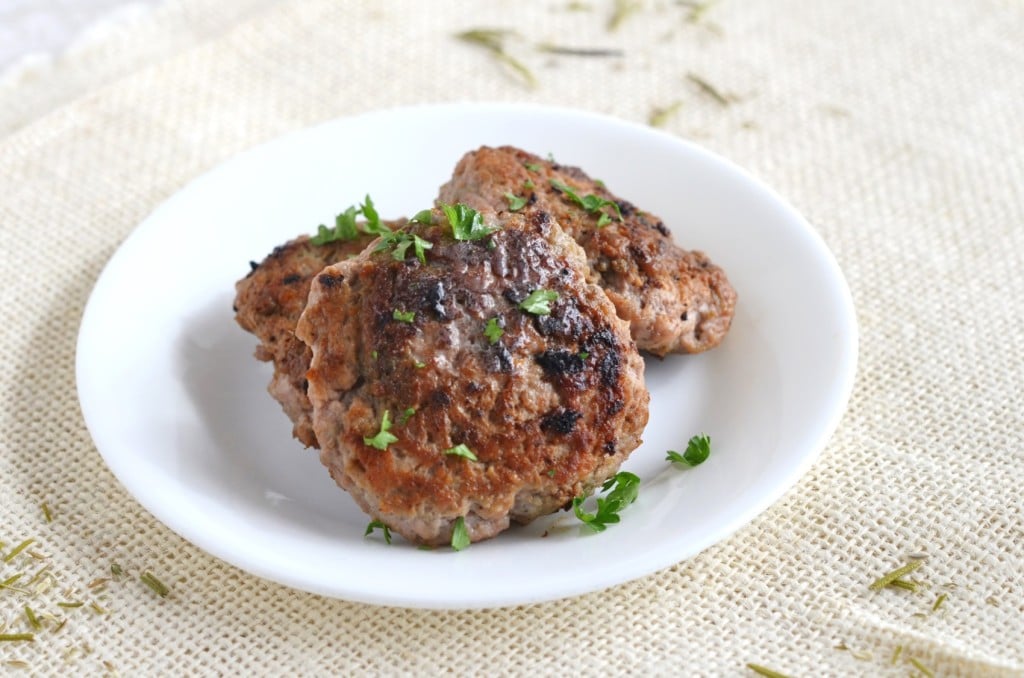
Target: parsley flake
591,203
406,416
584,355
529,185
383,438
375,524
346,228
493,331
423,217
461,450
539,302
466,222
697,452
515,203
460,535
400,241
532,166
403,316
622,489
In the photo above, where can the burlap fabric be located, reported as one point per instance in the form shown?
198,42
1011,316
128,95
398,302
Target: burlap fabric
896,128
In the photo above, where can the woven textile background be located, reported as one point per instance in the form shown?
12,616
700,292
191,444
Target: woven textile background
896,128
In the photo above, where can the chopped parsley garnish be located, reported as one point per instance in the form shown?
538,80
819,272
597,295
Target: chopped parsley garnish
423,217
403,316
346,228
515,203
493,331
466,222
591,203
406,416
383,438
373,223
529,185
532,166
622,489
461,450
418,364
460,535
584,355
375,524
697,452
400,241
539,302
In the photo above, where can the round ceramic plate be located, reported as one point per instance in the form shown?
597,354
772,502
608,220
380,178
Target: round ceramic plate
178,407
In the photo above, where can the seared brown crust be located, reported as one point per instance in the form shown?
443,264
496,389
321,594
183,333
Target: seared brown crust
550,409
676,301
268,303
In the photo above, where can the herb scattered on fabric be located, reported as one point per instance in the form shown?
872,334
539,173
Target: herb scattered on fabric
921,667
896,574
560,50
493,40
765,671
623,10
660,116
154,584
622,488
710,90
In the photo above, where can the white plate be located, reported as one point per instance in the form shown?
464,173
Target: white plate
177,405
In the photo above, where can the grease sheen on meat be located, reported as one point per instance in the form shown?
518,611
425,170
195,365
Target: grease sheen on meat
550,409
676,301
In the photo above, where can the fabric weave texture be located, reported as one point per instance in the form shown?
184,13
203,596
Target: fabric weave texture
895,128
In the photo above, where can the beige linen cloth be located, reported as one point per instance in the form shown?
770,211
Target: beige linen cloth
896,128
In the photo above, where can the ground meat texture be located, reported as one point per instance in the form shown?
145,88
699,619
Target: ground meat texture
268,303
541,436
675,300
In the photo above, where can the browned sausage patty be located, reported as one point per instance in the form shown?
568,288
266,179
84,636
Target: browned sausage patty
268,303
675,300
550,405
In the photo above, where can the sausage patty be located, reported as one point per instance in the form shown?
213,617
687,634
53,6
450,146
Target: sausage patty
495,346
675,300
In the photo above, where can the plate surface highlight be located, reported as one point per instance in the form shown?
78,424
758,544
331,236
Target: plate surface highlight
178,407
